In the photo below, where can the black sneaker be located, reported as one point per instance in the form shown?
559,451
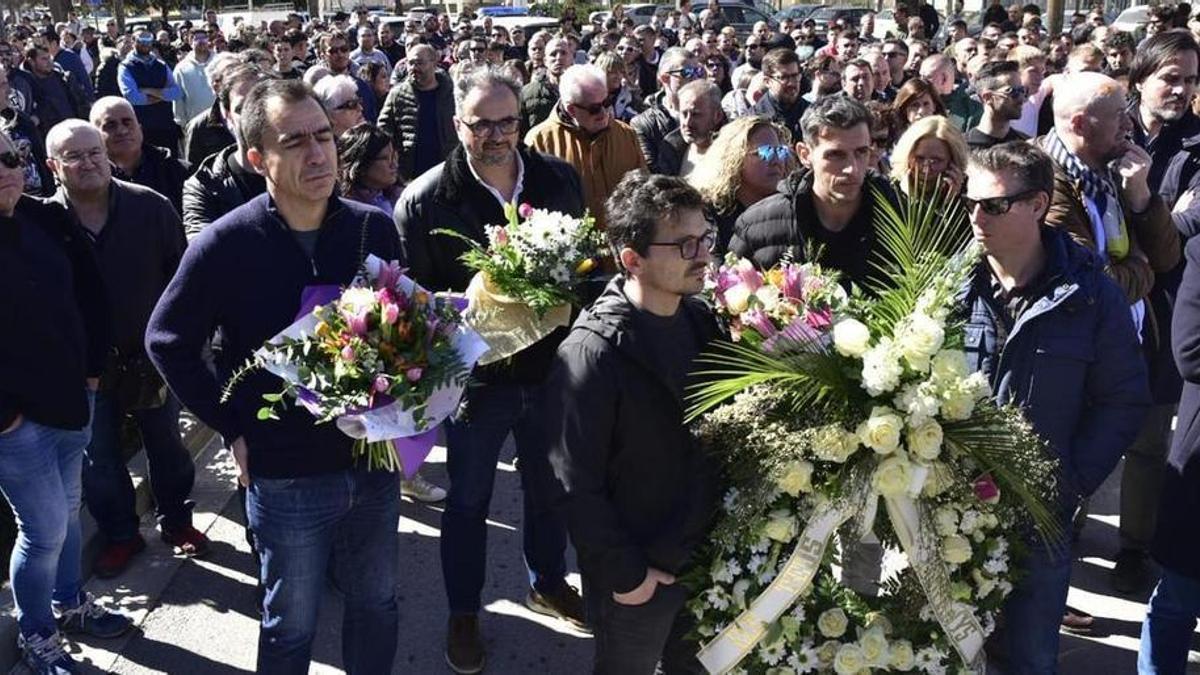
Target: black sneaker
1131,573
91,619
564,602
464,646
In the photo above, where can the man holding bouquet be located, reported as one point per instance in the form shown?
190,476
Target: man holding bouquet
640,494
486,173
309,505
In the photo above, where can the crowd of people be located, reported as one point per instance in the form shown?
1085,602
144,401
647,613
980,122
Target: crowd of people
166,194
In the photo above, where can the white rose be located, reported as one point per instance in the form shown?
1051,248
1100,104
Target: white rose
737,298
920,339
833,623
881,431
874,646
781,526
827,652
958,406
893,476
881,368
849,660
949,366
769,297
926,440
956,550
902,657
851,338
797,478
834,444
945,521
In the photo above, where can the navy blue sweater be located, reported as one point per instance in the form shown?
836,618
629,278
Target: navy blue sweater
241,278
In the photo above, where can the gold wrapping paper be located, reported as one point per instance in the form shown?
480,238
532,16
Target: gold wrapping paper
506,324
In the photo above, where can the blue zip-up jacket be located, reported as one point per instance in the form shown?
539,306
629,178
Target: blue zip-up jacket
1072,362
242,278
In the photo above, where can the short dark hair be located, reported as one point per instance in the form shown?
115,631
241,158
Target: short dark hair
991,76
253,120
1155,51
1023,160
357,148
234,77
294,37
776,58
639,203
832,112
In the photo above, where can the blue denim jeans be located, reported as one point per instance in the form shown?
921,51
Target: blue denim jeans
346,519
107,487
39,476
1170,620
473,441
1034,611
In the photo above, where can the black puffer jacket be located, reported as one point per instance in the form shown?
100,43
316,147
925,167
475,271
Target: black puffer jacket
215,190
398,118
538,98
652,126
205,135
786,224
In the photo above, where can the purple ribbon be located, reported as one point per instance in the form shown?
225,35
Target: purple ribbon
413,450
313,296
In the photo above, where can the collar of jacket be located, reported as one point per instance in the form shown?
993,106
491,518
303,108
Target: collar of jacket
114,199
562,118
1183,133
333,208
457,183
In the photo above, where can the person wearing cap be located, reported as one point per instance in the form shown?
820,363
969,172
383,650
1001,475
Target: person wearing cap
147,83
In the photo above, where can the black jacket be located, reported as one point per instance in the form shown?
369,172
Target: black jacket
652,126
242,278
216,189
538,98
398,118
671,153
448,197
53,308
160,171
638,489
786,223
206,135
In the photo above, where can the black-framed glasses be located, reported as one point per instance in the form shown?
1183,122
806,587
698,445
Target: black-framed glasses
506,125
996,206
689,248
352,104
773,153
688,72
10,159
789,77
894,53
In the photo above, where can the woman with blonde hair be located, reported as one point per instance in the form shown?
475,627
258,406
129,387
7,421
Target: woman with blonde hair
744,164
930,156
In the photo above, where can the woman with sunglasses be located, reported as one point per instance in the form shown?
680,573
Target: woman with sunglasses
744,164
930,158
717,70
339,95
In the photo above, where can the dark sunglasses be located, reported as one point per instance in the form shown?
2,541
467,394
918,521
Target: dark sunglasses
597,108
338,50
996,206
773,153
352,104
1015,91
10,159
689,72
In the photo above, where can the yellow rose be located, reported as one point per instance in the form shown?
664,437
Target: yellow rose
925,441
956,550
881,431
797,478
781,526
902,657
851,338
737,298
893,476
833,623
874,646
849,660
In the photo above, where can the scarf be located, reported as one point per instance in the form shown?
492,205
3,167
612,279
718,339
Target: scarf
1099,189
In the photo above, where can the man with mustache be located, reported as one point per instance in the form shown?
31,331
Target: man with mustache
700,117
487,172
418,114
313,510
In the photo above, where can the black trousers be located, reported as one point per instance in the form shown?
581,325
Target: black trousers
633,640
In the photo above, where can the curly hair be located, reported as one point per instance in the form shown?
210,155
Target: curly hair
718,175
357,148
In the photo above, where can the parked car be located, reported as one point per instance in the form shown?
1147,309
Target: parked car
796,13
641,13
743,16
529,24
1133,20
827,15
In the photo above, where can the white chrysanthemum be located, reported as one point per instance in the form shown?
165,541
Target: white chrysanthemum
995,566
930,660
755,563
771,654
804,659
919,401
798,613
767,575
714,597
760,545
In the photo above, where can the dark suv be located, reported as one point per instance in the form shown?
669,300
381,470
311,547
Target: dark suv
826,16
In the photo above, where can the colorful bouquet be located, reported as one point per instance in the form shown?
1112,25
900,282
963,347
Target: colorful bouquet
527,276
383,358
849,417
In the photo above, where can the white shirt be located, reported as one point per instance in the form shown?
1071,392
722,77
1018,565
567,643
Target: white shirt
517,187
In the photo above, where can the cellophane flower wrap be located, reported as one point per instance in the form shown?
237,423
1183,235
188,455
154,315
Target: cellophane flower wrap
527,276
842,417
383,358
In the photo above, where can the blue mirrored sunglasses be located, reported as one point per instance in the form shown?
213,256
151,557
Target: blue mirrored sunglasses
772,153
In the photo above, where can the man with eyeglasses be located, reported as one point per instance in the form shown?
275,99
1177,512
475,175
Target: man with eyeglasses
1052,333
418,114
782,102
540,96
148,84
676,68
999,87
639,492
582,132
487,172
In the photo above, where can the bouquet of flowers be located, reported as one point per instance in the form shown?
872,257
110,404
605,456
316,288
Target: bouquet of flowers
383,358
852,416
526,276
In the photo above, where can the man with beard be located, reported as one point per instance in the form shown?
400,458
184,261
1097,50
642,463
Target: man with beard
487,172
827,204
192,77
148,84
134,160
418,114
1118,53
999,87
700,117
676,68
582,132
782,102
540,96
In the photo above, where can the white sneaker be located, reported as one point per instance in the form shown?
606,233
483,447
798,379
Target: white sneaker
421,490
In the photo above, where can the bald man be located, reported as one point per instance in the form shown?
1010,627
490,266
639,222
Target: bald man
138,241
961,107
132,158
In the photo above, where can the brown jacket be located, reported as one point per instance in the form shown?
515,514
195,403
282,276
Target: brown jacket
601,161
1154,245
